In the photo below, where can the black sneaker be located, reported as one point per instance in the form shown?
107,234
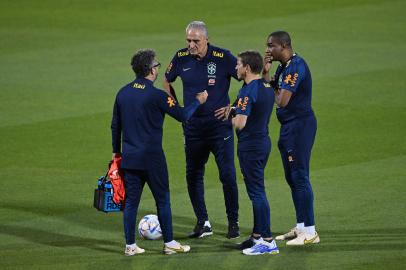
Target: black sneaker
201,231
233,231
249,243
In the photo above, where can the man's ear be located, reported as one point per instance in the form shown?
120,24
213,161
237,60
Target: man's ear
248,68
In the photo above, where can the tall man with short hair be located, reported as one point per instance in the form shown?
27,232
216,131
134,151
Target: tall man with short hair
293,85
252,114
138,116
204,66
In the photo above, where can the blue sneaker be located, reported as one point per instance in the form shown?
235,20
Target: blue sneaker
262,247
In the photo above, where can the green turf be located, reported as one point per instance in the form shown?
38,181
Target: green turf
61,63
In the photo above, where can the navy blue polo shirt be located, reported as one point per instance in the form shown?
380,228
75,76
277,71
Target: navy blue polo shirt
295,77
212,73
255,100
138,116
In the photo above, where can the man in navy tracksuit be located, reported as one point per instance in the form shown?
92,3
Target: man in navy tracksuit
138,116
204,66
252,114
293,85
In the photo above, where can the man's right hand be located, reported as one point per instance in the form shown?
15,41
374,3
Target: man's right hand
267,63
202,96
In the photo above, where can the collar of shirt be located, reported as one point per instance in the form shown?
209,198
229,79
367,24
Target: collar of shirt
208,53
144,81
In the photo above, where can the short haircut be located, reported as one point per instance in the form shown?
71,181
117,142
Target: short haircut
198,25
142,62
252,59
282,37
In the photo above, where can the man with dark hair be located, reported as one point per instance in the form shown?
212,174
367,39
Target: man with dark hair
251,119
138,116
293,91
204,66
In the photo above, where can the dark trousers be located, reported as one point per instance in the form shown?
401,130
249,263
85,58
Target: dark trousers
157,180
197,154
252,165
295,145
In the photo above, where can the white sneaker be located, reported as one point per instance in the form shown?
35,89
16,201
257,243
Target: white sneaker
178,249
262,247
304,239
289,235
131,250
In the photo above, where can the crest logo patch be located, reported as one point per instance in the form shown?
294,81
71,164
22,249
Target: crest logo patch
211,68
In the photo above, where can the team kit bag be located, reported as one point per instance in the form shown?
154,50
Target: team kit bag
110,193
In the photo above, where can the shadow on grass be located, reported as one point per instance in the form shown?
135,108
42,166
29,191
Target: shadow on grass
379,239
58,239
96,220
87,217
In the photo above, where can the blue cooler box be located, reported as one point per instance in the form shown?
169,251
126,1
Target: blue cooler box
103,197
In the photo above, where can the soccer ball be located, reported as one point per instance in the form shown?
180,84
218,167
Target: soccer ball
149,227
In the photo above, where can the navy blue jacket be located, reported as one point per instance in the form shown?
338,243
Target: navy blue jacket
138,117
212,73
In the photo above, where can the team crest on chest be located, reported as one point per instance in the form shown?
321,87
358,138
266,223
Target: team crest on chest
211,68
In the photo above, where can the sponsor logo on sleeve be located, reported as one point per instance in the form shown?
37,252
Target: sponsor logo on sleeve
243,104
171,102
291,80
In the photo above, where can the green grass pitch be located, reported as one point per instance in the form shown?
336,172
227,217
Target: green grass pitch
62,62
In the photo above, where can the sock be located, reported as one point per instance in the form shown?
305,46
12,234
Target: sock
310,230
300,226
172,244
131,246
207,223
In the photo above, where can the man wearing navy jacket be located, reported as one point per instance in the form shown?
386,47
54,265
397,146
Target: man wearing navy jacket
293,97
138,116
204,66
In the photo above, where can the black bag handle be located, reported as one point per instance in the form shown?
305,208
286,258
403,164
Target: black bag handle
104,180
